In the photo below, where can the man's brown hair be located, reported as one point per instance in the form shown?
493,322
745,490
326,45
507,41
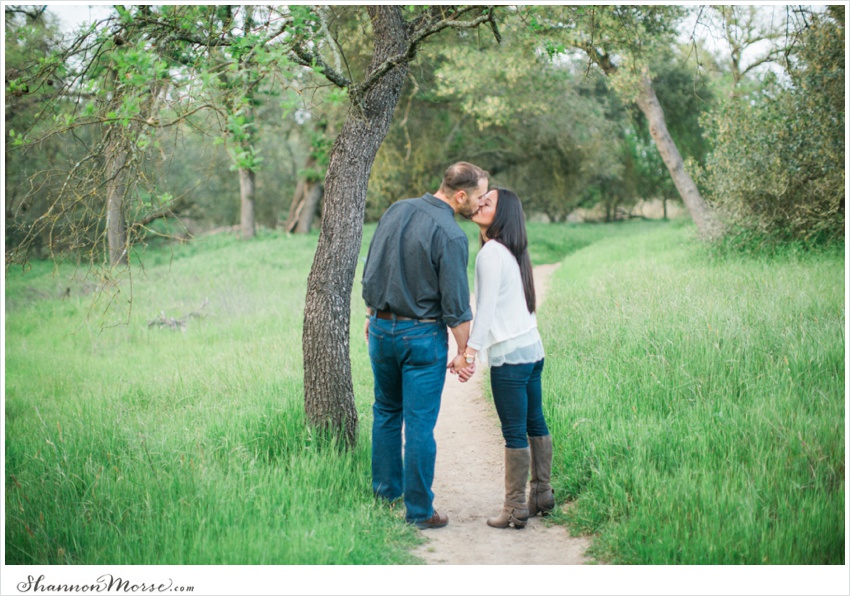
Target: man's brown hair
461,176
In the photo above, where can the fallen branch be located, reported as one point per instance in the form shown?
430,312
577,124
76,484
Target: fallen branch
172,323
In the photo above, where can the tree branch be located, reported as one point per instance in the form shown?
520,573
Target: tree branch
33,13
181,35
771,56
358,91
172,210
304,57
603,59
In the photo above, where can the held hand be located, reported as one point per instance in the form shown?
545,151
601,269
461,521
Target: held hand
451,366
458,366
466,373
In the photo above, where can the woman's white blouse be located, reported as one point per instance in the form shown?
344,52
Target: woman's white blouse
503,331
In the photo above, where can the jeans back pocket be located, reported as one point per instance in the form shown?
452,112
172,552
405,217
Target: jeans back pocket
425,349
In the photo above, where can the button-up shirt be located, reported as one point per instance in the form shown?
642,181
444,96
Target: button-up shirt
417,262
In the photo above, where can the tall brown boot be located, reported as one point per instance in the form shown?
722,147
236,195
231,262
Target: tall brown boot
517,462
541,497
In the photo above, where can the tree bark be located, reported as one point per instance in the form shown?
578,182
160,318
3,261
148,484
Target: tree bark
699,210
116,229
328,389
246,194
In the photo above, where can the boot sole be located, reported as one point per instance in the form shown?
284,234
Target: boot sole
517,523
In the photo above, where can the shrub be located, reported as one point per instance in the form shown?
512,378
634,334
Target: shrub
777,167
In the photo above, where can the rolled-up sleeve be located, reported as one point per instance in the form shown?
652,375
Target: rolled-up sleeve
454,285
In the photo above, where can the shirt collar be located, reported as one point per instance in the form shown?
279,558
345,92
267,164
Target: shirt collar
435,201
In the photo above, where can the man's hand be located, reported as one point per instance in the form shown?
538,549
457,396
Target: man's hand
366,330
459,367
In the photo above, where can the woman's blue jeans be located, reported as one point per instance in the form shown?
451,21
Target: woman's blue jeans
518,395
409,364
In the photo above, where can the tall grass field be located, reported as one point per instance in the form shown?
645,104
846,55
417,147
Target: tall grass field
135,444
696,403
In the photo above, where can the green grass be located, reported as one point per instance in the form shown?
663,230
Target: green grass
129,444
697,404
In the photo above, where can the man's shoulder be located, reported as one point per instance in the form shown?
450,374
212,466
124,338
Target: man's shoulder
441,218
406,208
400,206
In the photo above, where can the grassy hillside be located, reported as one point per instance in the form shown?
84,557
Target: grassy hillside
697,407
697,404
130,444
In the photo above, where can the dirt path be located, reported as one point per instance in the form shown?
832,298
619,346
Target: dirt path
469,485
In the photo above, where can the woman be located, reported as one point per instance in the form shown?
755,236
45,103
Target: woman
504,335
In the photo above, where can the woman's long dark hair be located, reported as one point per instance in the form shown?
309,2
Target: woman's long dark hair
508,229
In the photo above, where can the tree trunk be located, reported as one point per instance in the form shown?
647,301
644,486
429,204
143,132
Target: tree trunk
246,193
307,213
116,187
296,206
247,184
699,210
115,160
328,389
300,199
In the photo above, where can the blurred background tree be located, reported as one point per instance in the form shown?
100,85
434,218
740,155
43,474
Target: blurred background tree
776,169
541,122
32,36
148,109
531,110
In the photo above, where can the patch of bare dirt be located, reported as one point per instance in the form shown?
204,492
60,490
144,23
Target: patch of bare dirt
469,485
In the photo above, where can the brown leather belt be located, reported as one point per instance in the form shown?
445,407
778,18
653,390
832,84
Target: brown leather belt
388,316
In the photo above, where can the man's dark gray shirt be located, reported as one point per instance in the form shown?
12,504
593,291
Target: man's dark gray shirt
417,262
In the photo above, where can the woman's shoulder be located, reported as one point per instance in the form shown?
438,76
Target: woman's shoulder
491,254
494,250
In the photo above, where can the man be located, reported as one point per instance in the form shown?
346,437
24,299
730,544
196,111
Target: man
414,285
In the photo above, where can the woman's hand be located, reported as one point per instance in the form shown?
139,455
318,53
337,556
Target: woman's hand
459,367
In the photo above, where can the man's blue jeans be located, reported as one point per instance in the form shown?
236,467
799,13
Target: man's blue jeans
518,395
409,364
